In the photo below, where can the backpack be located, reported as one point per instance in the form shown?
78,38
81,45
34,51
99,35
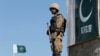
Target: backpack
64,25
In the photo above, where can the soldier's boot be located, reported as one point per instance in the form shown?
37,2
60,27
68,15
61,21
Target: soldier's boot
59,54
54,54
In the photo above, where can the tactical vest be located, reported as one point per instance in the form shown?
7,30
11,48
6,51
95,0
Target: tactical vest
54,28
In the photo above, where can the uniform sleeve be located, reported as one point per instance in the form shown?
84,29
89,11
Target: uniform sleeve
60,20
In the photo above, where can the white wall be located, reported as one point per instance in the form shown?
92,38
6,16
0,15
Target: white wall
99,15
71,21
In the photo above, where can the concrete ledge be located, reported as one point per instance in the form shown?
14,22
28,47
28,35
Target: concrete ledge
88,48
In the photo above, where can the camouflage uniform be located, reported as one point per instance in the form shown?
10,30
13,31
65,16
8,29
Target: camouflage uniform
56,34
56,43
56,30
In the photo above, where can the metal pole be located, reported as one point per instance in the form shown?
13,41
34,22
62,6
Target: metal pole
13,54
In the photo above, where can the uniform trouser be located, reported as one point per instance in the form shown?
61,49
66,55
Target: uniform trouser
56,44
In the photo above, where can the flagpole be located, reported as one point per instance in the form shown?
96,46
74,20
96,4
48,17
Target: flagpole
13,54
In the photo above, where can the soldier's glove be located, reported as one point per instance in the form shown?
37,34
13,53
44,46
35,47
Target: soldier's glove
47,32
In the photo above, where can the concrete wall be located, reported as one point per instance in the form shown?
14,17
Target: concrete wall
89,48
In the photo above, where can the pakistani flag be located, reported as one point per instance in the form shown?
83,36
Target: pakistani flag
19,48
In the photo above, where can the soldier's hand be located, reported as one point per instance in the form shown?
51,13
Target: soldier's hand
47,32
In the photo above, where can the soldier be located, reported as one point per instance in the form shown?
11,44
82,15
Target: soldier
56,30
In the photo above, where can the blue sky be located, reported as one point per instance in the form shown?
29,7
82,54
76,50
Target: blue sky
23,22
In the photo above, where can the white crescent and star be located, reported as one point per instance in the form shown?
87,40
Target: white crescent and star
84,19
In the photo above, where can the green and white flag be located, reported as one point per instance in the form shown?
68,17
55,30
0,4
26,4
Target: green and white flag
19,48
